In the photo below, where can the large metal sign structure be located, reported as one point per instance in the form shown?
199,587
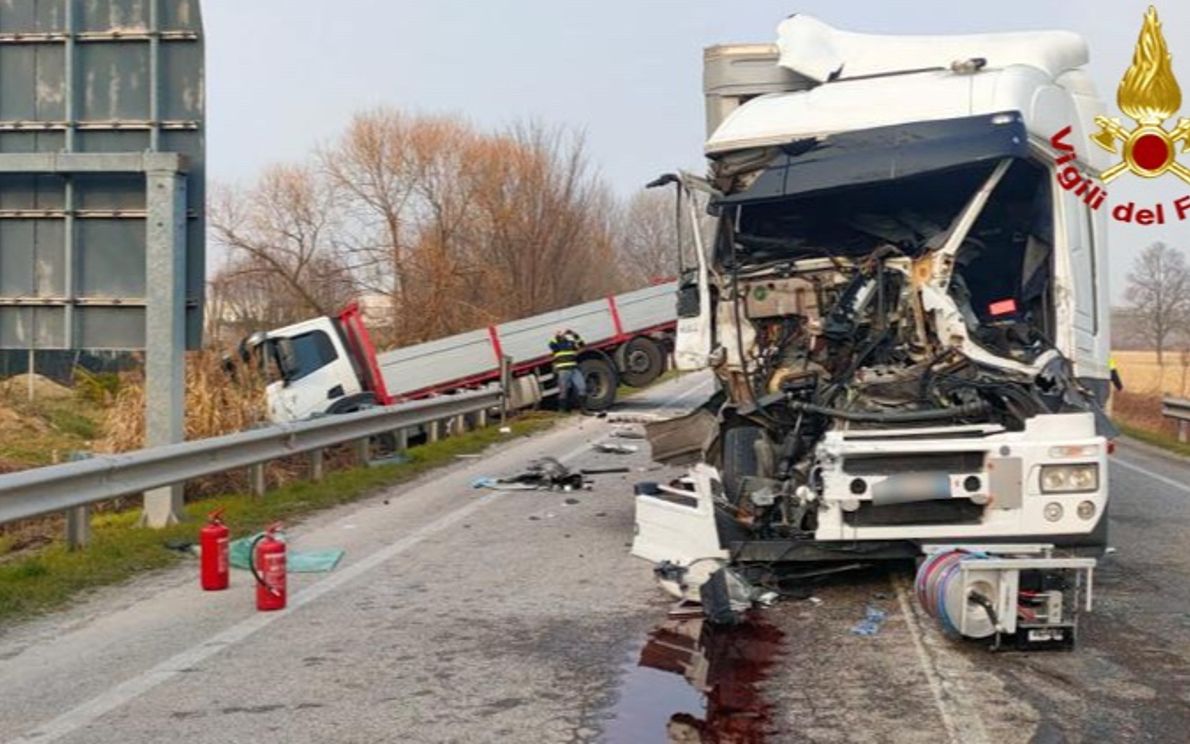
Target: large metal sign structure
101,184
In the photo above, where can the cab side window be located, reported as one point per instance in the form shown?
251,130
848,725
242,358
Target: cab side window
308,353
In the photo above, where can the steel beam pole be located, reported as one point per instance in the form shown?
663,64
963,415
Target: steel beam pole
165,330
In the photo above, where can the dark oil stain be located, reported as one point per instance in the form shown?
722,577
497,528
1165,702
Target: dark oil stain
698,683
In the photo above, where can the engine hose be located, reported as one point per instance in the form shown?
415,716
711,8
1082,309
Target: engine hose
252,565
892,417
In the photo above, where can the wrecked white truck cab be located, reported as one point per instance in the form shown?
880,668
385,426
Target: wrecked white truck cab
907,315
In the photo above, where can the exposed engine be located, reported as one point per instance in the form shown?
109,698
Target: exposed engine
863,313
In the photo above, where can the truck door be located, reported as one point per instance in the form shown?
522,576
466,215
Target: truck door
696,320
315,372
1084,277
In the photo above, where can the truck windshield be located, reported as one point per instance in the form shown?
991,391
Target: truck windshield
853,221
304,354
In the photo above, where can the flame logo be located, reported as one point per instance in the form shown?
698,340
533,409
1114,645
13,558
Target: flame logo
1149,92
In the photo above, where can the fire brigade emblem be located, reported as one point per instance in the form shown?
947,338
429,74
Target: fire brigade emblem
1148,94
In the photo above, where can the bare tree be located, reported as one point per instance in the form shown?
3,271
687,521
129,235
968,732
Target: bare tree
280,236
647,238
1159,290
540,221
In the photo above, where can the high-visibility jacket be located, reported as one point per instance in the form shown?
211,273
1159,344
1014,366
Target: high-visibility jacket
565,349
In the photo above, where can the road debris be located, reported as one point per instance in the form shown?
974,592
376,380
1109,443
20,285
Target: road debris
615,448
726,596
873,619
296,561
544,474
624,432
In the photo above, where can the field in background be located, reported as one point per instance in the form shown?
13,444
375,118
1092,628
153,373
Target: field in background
1142,375
1137,409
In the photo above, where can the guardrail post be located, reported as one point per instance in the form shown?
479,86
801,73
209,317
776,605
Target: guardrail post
78,527
316,465
434,431
258,482
1183,431
402,437
460,424
505,386
363,451
481,418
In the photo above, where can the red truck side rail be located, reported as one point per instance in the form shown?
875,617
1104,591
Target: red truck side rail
361,347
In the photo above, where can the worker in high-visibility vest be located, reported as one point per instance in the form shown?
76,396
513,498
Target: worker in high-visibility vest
565,346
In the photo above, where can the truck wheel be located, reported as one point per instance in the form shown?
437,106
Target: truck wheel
352,403
739,459
600,375
641,361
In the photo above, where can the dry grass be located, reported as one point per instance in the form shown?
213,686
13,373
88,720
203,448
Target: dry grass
1141,373
216,404
1141,411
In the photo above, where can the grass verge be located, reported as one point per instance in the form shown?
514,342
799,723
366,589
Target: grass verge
1157,439
47,578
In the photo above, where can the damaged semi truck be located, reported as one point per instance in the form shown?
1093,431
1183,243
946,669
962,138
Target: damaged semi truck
905,312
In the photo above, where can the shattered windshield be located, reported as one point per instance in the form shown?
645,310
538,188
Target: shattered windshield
852,222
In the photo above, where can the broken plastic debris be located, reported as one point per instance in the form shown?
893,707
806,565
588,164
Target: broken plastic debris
726,596
874,617
544,474
615,448
633,418
624,433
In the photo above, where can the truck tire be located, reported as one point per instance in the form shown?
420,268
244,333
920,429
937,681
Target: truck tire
640,361
601,378
739,459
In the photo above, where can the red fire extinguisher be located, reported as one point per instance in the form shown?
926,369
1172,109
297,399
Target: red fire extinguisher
267,561
213,545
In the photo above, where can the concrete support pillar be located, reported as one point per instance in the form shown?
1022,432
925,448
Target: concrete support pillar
165,331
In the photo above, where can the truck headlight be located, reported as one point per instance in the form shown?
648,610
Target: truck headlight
1069,478
1086,510
1053,511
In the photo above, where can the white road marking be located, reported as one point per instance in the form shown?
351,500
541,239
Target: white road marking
131,689
1159,478
971,729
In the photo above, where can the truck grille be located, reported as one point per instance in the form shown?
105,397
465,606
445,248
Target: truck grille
920,462
938,511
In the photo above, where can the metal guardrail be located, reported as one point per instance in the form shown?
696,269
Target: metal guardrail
1178,409
74,486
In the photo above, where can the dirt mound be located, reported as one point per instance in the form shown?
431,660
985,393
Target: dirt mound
44,388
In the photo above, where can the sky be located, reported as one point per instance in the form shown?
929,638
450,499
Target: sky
286,75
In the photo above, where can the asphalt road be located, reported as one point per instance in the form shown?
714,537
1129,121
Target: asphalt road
463,615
